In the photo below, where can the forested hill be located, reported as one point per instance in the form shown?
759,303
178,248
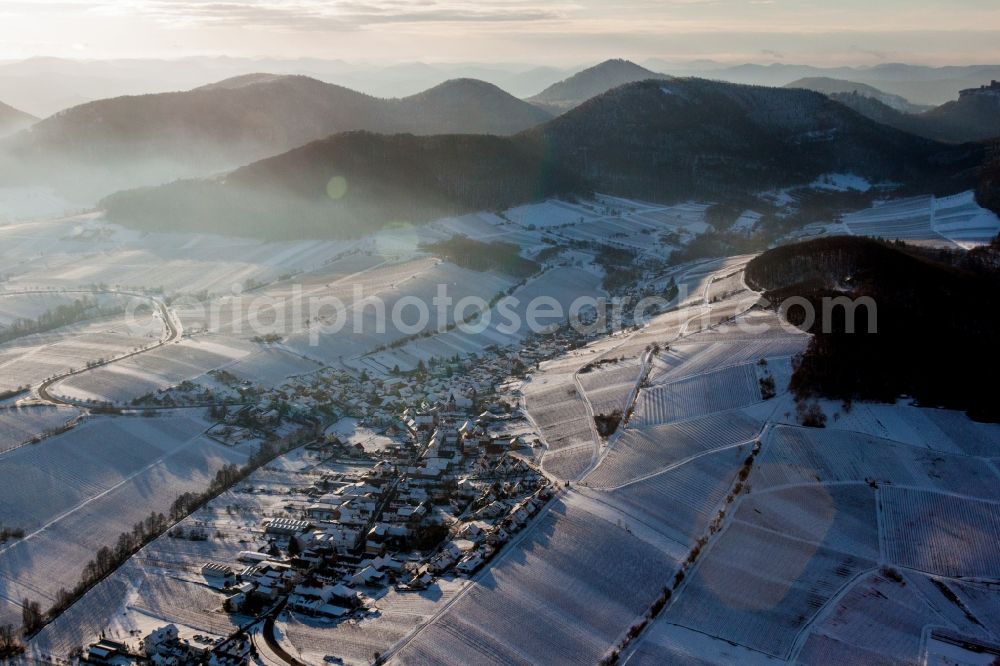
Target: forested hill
936,314
351,184
691,137
12,120
988,189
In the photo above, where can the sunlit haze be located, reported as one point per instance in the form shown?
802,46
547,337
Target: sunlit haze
559,32
449,332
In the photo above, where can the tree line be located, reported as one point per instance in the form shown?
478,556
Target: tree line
110,557
59,316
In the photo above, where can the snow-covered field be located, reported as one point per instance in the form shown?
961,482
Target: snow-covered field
19,425
643,451
399,614
551,214
368,324
849,544
30,359
841,182
758,588
163,583
564,285
30,203
14,306
798,455
85,250
717,391
560,403
75,492
563,595
609,386
157,369
883,620
940,533
828,510
955,220
801,546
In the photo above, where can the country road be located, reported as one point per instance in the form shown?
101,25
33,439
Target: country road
173,333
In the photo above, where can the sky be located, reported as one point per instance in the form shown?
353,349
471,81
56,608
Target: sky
555,32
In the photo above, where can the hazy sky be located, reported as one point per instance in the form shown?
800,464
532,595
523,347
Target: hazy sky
557,32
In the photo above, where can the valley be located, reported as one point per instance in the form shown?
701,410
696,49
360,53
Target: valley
311,361
706,460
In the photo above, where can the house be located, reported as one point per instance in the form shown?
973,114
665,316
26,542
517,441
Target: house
251,557
325,509
332,536
424,421
332,611
421,581
159,640
497,537
356,511
285,526
473,532
375,541
368,576
234,652
271,578
218,575
458,401
386,563
309,599
235,601
342,593
105,651
469,563
445,559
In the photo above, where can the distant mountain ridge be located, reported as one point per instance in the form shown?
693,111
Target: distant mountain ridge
13,120
829,86
661,140
972,117
148,139
918,83
591,82
466,106
43,86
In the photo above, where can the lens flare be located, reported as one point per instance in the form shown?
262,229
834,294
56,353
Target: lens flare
336,188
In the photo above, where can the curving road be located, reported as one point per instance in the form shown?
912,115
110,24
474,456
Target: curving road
173,333
267,632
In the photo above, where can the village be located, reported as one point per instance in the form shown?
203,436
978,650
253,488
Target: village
415,476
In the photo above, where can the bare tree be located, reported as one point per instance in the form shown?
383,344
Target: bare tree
31,615
9,645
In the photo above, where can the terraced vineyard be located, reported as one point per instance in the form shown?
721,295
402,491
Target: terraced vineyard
644,451
758,588
941,534
399,614
716,391
580,578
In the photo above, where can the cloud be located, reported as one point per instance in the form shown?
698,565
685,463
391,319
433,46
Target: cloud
877,54
312,15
